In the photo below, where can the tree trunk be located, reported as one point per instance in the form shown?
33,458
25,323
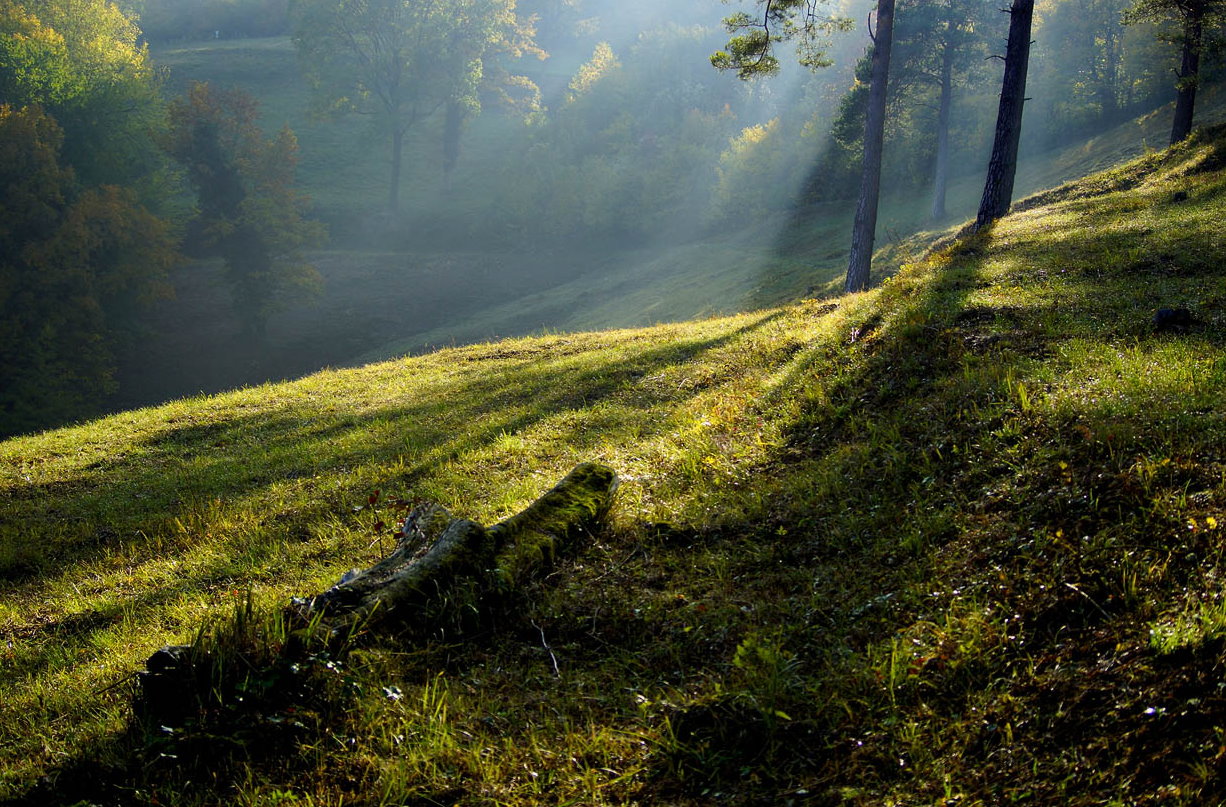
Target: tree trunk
1109,86
864,230
998,189
393,191
1189,73
442,565
941,179
453,130
442,574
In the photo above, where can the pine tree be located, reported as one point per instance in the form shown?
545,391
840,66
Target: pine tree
1002,167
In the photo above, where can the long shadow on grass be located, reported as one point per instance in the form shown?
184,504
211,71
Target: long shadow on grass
239,456
926,430
552,391
908,439
210,463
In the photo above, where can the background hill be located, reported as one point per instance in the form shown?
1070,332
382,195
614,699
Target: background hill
954,540
575,164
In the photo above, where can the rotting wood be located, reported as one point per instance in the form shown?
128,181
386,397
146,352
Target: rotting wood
437,555
441,570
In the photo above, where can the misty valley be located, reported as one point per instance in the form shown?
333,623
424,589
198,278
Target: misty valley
562,186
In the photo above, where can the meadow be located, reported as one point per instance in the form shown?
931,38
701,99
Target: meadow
954,540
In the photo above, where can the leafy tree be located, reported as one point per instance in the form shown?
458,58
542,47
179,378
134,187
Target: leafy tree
402,61
603,62
837,175
557,21
249,211
750,54
1094,69
1193,17
748,171
83,63
35,65
623,155
940,44
72,264
1002,167
1082,59
79,250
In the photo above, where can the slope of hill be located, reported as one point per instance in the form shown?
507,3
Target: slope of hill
379,304
957,540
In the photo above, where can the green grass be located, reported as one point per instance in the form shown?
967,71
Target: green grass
955,540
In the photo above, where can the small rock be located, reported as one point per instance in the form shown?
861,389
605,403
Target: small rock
169,659
1173,319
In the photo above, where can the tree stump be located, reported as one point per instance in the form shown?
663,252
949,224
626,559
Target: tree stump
441,570
441,563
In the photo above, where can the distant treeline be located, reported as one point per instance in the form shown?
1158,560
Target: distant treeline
97,178
178,20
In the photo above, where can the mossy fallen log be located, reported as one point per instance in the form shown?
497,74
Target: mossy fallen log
442,573
441,565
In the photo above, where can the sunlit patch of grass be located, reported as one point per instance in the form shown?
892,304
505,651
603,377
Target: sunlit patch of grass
955,538
185,506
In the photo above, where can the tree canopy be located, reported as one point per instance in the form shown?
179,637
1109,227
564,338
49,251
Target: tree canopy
250,213
1194,18
83,62
750,51
401,61
72,263
79,168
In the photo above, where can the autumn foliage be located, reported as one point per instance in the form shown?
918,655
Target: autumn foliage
81,183
73,262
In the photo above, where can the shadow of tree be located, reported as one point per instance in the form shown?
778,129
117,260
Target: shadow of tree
916,474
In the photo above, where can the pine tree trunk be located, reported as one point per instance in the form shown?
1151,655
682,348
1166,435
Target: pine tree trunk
1189,74
1109,87
1002,168
865,228
941,179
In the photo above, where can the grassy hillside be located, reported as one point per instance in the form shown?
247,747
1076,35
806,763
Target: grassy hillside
957,540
